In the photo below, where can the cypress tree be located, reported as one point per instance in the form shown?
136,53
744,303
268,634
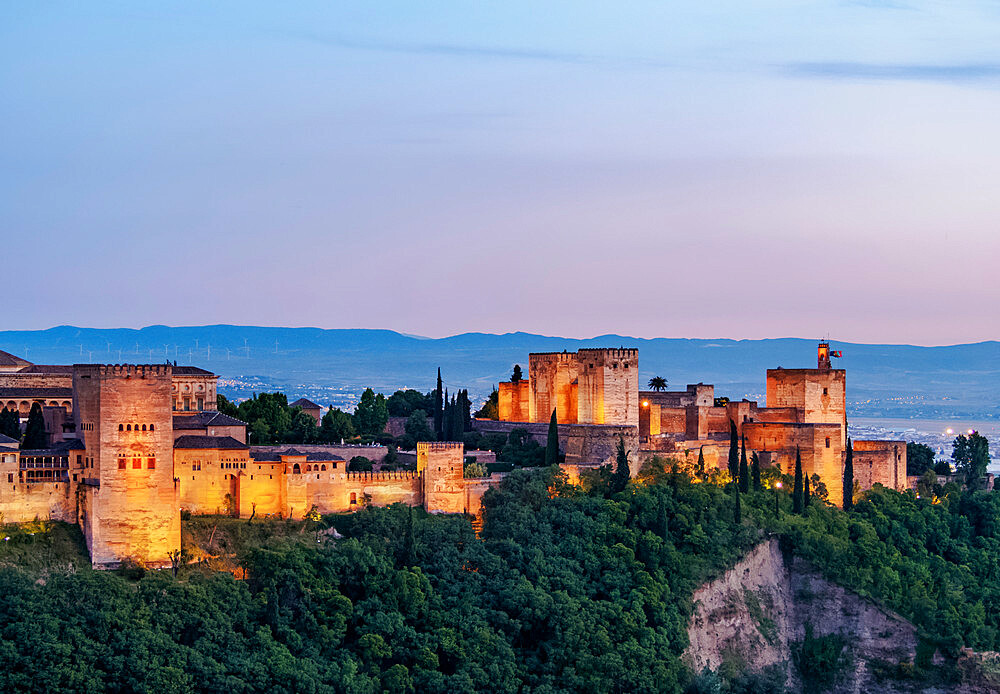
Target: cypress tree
34,430
439,408
805,492
457,420
849,477
755,471
10,423
701,460
734,452
552,443
737,506
744,470
797,489
466,411
620,477
409,553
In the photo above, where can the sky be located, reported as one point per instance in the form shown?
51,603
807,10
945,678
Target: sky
657,169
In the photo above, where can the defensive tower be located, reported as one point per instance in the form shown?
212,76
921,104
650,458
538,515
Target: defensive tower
128,498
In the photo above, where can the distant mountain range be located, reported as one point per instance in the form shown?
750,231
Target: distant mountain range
333,366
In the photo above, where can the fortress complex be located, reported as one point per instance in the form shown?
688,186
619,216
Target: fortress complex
130,449
131,445
805,414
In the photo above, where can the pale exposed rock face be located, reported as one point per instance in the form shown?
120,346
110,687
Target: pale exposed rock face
755,612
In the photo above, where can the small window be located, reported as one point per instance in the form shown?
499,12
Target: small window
121,427
827,441
121,463
354,498
10,477
151,427
144,427
323,468
150,463
128,427
824,391
136,463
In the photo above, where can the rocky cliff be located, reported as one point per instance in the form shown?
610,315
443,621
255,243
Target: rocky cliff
771,606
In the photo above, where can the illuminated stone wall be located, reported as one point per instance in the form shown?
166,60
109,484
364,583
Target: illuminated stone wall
130,503
206,475
21,502
820,395
608,386
194,392
819,444
442,466
880,462
514,401
551,377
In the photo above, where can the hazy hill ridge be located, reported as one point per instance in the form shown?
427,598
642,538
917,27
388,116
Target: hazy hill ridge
904,379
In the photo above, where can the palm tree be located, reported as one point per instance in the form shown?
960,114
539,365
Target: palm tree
658,383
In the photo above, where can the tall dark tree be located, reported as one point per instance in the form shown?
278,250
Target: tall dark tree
734,452
516,376
10,423
490,408
34,430
805,492
744,468
797,489
620,477
737,505
456,422
849,477
408,555
755,471
439,408
552,443
701,460
466,409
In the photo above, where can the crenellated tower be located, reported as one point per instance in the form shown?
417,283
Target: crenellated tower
128,498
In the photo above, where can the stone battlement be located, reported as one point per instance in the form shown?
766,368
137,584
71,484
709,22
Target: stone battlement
125,370
439,445
612,352
383,475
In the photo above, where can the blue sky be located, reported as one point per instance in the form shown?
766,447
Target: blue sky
725,169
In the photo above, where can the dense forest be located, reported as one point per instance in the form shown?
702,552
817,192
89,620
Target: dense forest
567,588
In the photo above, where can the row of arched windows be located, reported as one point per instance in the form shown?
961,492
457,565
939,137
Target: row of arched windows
309,468
129,427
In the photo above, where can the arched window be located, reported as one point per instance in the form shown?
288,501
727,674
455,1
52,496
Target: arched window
308,468
295,469
151,427
144,427
121,427
128,427
323,468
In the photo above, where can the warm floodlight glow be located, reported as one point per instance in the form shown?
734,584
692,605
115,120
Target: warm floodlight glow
645,403
970,432
777,485
949,430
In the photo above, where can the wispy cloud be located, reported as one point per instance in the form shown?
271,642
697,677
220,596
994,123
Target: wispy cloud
968,72
483,52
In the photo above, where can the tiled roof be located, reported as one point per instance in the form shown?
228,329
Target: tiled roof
305,404
66,369
272,454
59,448
6,440
36,393
191,441
200,420
8,359
191,371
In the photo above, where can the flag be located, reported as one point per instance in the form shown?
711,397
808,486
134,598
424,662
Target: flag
837,354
